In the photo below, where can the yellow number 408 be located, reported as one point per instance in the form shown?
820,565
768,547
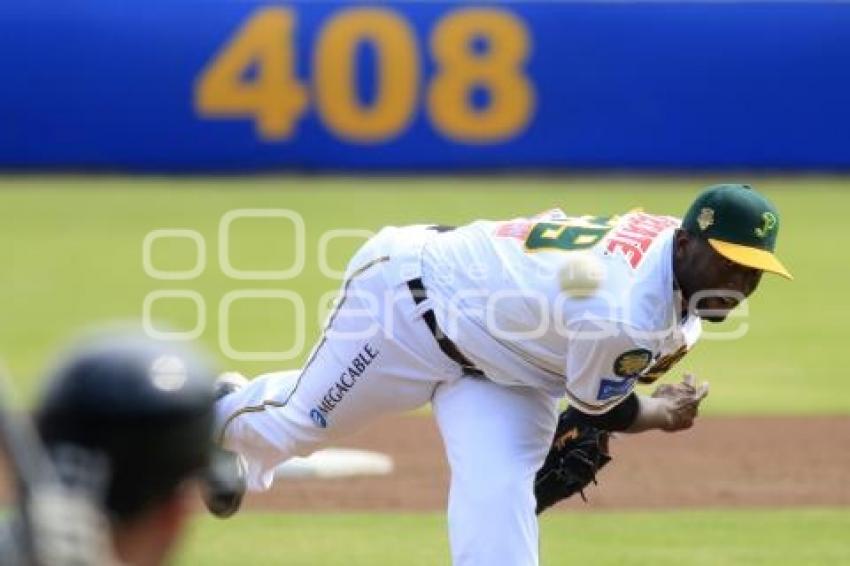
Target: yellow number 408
253,76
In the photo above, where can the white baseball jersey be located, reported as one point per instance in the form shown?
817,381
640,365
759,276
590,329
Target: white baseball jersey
496,292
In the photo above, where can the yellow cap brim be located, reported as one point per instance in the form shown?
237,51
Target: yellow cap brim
751,257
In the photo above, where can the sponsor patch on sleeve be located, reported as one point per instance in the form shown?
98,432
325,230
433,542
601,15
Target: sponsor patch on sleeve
632,363
609,388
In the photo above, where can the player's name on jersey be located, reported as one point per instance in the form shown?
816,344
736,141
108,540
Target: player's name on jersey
635,236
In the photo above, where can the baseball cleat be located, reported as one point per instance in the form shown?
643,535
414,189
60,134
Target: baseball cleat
224,484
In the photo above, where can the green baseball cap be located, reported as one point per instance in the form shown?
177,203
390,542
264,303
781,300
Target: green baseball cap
739,223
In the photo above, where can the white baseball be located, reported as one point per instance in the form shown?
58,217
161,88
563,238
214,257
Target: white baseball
582,274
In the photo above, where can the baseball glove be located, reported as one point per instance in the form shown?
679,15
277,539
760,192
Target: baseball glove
577,454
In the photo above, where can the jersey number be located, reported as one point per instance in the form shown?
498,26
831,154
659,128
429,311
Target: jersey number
569,235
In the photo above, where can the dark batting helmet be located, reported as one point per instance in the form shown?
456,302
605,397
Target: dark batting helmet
142,408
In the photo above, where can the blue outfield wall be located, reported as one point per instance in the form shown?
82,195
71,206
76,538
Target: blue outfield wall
182,85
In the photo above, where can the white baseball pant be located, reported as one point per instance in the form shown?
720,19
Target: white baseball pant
377,356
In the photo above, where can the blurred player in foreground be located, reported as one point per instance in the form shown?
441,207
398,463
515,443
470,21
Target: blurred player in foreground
126,426
476,321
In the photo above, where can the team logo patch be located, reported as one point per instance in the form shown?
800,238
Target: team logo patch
705,218
768,224
318,418
662,365
631,363
610,388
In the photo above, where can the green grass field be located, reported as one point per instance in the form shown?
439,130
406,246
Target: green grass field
73,256
692,538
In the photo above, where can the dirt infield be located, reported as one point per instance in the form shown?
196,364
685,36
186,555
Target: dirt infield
721,462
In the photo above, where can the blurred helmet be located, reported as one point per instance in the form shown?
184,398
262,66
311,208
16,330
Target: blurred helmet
140,409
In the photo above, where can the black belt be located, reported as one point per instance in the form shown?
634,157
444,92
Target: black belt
447,346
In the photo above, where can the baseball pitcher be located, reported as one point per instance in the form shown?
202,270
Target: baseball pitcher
475,321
